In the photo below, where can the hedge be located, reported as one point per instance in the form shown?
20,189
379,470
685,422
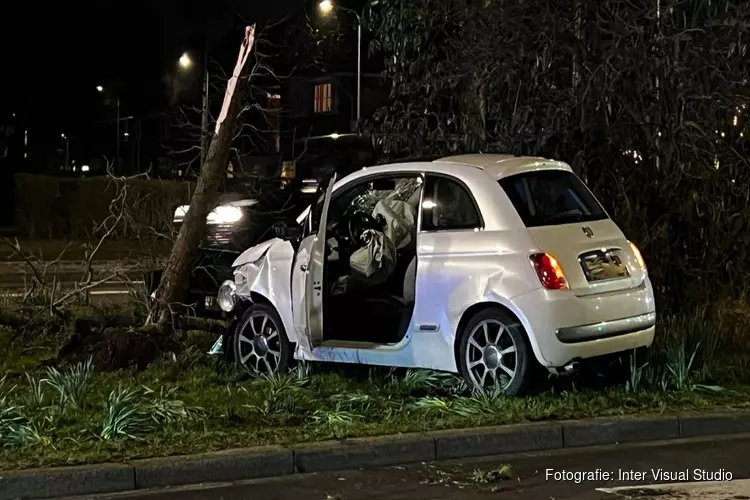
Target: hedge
54,207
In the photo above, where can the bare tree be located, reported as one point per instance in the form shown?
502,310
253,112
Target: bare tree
646,100
176,274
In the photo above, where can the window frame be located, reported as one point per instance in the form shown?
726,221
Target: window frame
328,99
604,215
310,226
461,184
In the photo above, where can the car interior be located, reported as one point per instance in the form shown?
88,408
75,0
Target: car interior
371,261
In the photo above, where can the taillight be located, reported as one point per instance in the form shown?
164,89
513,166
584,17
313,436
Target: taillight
638,257
549,271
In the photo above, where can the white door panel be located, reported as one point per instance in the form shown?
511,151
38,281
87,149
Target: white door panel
314,275
299,276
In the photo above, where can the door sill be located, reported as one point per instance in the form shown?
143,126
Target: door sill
350,344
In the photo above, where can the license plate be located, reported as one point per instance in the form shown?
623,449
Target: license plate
604,265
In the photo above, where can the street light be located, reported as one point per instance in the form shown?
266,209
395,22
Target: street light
326,7
185,61
99,88
67,150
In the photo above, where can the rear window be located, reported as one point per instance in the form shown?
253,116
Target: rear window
551,197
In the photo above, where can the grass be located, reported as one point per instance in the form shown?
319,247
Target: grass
189,402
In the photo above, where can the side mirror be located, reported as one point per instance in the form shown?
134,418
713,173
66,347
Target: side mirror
285,232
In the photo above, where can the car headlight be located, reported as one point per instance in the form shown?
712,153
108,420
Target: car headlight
227,296
180,212
224,214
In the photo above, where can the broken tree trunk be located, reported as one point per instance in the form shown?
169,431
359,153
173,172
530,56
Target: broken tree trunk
174,282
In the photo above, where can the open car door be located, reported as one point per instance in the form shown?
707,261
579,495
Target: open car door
307,278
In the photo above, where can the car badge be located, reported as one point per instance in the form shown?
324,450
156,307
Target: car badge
587,231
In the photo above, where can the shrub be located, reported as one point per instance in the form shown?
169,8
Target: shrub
53,207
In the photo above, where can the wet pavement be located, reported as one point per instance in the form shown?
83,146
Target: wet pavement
586,474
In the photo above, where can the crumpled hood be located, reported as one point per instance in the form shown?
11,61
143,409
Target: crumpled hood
253,254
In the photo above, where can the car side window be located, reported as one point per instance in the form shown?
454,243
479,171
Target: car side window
448,205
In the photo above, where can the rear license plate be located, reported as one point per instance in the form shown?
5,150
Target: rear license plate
604,265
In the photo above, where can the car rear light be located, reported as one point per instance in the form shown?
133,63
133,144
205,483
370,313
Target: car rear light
638,257
549,271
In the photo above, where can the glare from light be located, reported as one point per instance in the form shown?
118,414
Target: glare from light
335,136
223,214
309,189
185,61
723,134
126,134
62,135
99,88
736,120
325,6
84,168
428,204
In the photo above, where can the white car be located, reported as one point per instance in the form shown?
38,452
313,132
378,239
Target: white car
484,265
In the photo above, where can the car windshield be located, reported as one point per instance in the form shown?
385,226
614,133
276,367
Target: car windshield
551,197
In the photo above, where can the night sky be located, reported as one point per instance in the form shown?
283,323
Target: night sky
54,56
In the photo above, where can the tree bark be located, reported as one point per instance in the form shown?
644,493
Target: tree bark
174,282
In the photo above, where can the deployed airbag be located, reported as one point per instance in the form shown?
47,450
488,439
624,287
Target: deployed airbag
399,218
375,261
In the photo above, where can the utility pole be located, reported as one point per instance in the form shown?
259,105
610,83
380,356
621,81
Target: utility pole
205,137
117,151
359,68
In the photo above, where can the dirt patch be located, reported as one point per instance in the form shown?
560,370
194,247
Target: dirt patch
115,345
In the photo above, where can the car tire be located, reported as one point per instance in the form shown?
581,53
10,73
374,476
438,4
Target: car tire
505,340
261,345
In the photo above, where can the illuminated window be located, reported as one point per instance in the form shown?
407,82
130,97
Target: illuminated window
323,98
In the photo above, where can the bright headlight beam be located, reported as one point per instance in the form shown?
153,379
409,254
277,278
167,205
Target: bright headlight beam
223,214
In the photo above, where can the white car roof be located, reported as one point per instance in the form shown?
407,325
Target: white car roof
499,166
495,165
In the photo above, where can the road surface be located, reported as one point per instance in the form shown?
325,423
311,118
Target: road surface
15,279
532,477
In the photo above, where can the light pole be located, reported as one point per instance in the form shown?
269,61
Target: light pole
326,7
186,62
99,88
67,151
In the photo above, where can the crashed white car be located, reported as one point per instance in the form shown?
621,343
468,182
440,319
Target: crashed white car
485,265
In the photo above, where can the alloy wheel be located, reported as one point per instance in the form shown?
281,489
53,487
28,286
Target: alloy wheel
259,344
491,354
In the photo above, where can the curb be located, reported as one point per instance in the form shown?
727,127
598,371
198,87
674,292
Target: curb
269,461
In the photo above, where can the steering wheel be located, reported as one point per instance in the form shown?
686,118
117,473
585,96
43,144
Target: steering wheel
358,223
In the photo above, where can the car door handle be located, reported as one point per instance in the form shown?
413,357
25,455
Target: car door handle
303,268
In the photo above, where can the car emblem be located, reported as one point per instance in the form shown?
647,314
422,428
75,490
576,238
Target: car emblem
587,231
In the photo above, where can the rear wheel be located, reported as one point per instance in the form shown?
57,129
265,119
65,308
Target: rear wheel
495,352
261,346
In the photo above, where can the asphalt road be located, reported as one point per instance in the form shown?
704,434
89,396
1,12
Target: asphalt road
14,282
532,477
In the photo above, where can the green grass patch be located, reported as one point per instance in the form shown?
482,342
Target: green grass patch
188,402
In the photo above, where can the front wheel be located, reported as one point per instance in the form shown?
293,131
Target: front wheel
495,352
261,346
